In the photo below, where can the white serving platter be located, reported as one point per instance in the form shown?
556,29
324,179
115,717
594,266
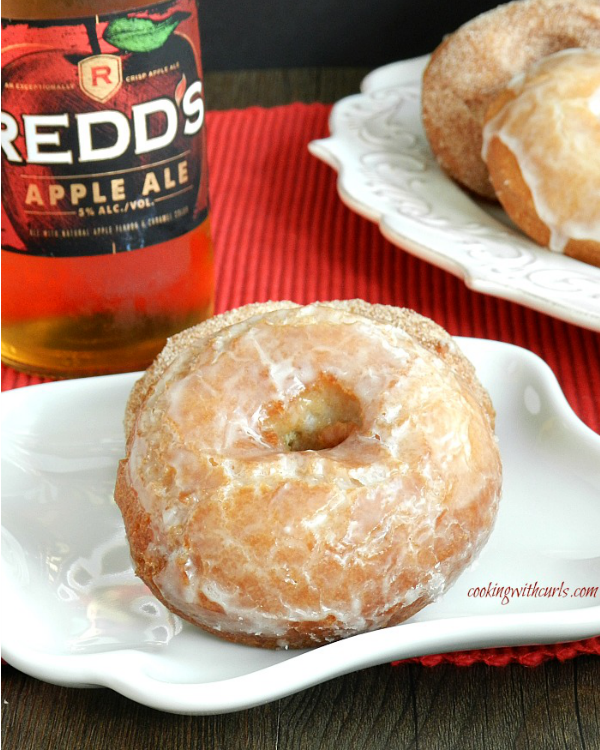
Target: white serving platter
73,612
387,173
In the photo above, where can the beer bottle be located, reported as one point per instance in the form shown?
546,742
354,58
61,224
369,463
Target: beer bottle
106,240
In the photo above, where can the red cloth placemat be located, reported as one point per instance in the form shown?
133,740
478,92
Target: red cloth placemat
281,232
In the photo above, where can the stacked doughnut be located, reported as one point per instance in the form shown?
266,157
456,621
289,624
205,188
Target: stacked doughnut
511,111
296,475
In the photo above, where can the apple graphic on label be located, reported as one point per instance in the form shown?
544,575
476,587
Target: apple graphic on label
104,141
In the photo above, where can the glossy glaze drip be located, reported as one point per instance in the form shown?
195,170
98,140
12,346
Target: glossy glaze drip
553,129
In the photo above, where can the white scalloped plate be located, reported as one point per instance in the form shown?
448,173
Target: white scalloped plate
73,612
388,174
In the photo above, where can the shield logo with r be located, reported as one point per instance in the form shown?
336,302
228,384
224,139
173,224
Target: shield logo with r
100,76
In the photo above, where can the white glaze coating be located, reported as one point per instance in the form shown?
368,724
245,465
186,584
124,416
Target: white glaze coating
255,539
553,129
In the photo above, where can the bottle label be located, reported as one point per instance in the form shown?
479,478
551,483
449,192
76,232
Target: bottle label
103,136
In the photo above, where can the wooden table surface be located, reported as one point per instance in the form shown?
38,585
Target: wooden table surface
556,705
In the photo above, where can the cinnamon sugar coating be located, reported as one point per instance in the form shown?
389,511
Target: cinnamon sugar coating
476,62
296,475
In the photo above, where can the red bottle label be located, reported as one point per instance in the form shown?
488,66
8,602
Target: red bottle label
103,137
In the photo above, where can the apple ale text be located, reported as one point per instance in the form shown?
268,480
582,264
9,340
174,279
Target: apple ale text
106,241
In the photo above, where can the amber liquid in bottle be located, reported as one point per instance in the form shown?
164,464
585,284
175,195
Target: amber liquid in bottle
112,312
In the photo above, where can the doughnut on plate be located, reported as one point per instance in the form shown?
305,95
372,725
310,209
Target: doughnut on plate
388,174
75,614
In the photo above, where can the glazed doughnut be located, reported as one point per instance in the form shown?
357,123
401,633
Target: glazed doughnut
296,475
541,144
474,64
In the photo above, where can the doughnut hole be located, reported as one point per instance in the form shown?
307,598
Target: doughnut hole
322,416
